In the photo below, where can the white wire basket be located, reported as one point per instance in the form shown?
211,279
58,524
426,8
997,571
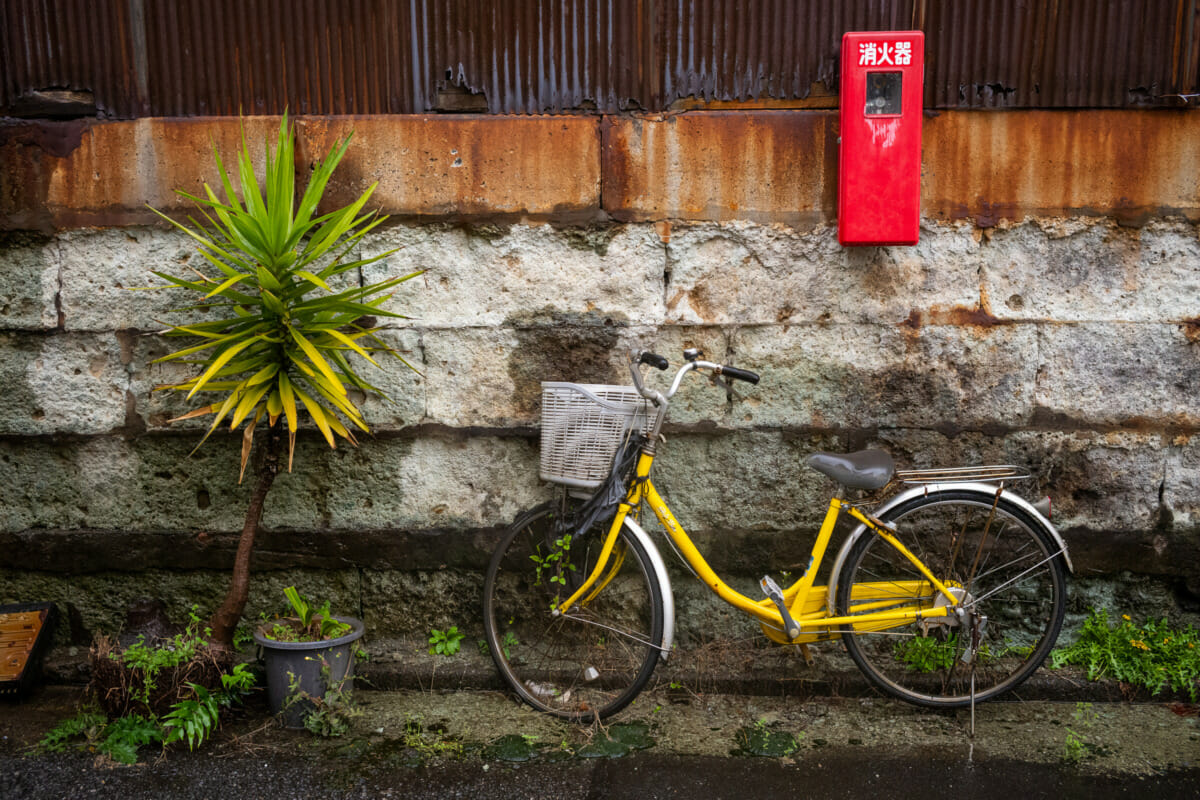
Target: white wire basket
582,425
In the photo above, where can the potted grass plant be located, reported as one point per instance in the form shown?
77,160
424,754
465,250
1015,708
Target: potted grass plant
270,340
309,658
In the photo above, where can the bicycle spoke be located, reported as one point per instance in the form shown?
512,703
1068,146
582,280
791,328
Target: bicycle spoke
996,561
592,660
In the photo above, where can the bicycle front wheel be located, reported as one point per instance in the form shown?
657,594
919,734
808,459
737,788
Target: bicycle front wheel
1003,567
592,660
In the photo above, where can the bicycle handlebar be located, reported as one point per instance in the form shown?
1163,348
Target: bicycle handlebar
738,374
654,360
637,358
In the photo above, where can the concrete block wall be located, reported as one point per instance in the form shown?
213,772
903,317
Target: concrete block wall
1049,323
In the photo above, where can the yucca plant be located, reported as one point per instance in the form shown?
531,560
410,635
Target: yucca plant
272,340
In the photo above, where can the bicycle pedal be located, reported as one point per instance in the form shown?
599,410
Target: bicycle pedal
775,595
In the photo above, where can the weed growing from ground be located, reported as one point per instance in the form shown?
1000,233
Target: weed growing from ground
1152,655
927,653
1077,747
429,743
445,643
191,720
507,643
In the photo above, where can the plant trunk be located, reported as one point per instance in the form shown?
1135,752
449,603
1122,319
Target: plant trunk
226,618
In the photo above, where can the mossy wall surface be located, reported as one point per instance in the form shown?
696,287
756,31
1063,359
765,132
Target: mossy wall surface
1064,342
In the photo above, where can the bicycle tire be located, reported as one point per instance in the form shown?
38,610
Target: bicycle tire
1009,570
592,661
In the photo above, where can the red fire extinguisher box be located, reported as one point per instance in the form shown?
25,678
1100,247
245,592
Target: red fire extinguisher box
879,162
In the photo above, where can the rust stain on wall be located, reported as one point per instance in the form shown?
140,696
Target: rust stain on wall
64,175
452,166
120,168
765,166
1133,165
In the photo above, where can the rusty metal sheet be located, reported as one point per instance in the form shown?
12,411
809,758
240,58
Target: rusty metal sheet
726,50
222,57
131,58
766,166
67,45
1062,54
537,56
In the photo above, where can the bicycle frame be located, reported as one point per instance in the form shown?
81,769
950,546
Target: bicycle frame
805,602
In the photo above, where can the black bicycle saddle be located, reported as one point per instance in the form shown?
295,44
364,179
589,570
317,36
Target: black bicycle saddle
866,469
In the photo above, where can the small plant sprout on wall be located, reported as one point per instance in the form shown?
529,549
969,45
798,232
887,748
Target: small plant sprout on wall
271,340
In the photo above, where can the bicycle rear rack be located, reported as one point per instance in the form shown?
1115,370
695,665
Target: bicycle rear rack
995,473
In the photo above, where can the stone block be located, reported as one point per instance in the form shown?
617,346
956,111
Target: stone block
699,402
67,484
990,167
1079,270
469,381
157,407
738,273
106,273
430,482
61,384
108,281
863,376
405,383
517,274
29,268
491,377
156,483
737,482
1096,481
1139,374
98,603
152,483
414,602
1180,489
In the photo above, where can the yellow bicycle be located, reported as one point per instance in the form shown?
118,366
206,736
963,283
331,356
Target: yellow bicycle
949,592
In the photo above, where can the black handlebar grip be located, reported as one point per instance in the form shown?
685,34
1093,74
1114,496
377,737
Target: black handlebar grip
740,374
654,360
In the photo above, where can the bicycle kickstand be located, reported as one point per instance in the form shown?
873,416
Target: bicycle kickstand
978,624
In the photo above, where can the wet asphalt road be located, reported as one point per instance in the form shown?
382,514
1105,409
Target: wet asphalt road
860,774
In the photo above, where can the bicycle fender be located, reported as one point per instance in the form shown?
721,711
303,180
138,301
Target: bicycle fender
664,582
986,493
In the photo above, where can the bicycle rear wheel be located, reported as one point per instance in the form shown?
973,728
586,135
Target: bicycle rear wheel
999,562
593,660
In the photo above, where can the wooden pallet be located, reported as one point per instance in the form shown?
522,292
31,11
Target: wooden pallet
24,634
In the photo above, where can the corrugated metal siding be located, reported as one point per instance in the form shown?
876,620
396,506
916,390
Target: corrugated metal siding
197,57
1058,54
535,56
315,57
78,45
751,49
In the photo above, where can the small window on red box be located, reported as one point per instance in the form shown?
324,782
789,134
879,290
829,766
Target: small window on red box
883,93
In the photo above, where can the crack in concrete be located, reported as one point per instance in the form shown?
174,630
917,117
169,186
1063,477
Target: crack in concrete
58,292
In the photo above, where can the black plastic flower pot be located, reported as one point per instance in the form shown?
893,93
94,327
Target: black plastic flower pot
298,672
